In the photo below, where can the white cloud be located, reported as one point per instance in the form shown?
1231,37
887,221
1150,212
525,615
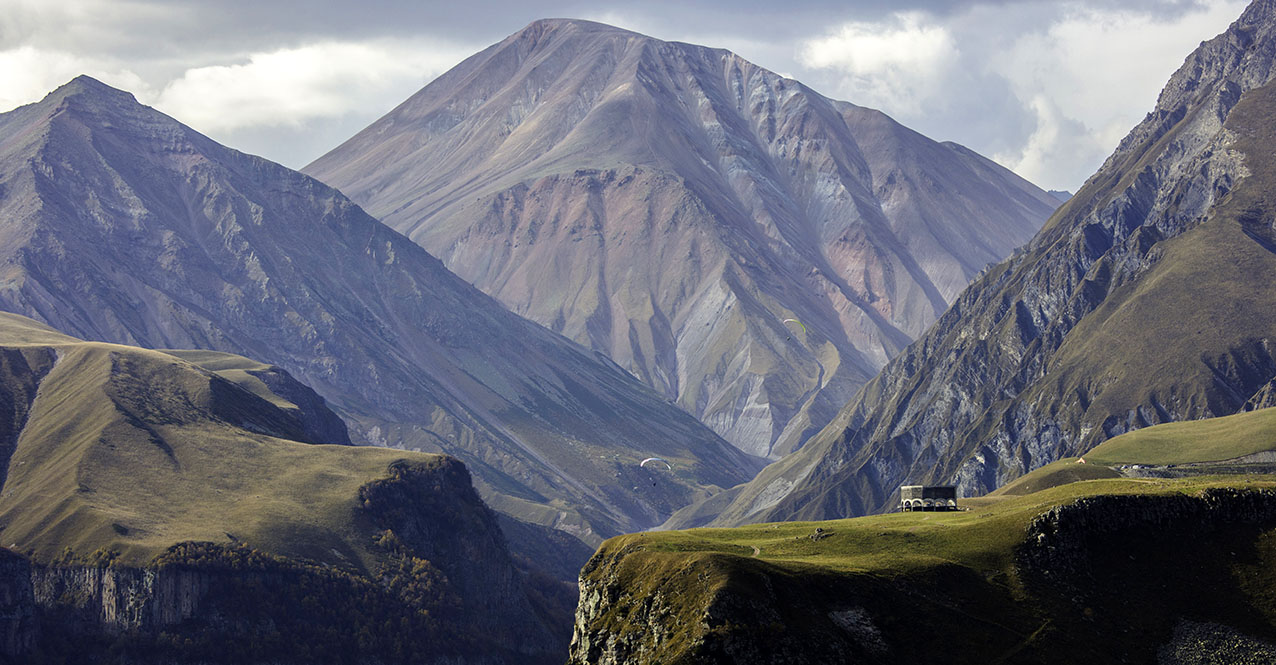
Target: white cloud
31,73
291,87
1091,76
88,26
1048,88
1059,144
895,63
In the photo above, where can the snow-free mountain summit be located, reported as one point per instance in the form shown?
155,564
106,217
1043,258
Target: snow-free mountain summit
671,205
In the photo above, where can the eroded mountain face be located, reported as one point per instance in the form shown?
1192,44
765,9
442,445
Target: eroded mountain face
672,205
120,224
1145,299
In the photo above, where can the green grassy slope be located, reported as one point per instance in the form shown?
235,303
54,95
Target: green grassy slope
1064,471
135,450
236,369
299,552
933,587
1198,441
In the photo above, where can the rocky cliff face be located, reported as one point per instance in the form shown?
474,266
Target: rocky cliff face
446,591
114,600
672,206
19,628
1135,305
1063,544
1168,578
121,224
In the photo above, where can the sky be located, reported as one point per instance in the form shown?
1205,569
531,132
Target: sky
1045,87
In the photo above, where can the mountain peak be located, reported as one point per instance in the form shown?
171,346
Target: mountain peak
1258,11
616,187
85,86
541,28
546,24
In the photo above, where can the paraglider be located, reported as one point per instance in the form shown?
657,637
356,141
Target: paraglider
657,459
802,325
654,461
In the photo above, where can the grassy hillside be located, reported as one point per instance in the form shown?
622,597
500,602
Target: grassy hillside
132,450
1064,471
129,458
1193,442
933,587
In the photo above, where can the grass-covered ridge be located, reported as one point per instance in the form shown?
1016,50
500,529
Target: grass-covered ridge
133,451
204,467
981,537
956,574
1192,442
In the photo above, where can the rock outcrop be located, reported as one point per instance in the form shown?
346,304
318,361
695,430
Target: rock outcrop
19,628
1059,550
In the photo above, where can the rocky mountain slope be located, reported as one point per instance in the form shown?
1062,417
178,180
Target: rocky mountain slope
1103,571
180,514
672,205
1145,299
117,223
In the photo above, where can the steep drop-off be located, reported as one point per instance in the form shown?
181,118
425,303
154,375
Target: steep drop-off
117,223
1104,571
1146,299
671,205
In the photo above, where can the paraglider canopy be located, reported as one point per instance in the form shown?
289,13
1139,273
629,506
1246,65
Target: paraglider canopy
656,459
799,323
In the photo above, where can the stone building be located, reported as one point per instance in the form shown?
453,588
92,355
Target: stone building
927,497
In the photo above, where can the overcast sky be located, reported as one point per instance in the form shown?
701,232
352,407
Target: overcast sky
1045,87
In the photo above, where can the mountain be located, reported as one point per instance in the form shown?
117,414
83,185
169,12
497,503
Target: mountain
1145,299
120,224
183,513
673,206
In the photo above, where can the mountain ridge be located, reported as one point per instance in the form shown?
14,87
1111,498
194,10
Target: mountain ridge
126,226
1139,302
671,205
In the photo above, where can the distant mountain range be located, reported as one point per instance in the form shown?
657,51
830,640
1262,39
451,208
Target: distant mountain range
749,248
120,224
1146,299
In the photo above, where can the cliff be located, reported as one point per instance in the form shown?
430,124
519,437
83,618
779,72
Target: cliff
19,626
444,590
171,507
1103,571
